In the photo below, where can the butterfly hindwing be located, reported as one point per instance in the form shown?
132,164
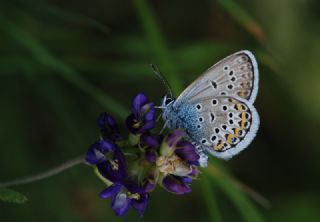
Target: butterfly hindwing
227,125
236,75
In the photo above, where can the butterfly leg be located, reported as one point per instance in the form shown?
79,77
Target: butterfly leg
164,127
159,117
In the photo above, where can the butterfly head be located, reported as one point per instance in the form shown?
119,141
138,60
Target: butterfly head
168,109
167,101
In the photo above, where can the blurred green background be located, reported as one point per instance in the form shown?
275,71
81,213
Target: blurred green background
64,62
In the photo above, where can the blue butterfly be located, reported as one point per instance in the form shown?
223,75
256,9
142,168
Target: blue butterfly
216,111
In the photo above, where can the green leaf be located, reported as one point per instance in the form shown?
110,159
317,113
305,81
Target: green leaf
8,195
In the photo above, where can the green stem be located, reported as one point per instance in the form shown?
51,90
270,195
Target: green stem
57,170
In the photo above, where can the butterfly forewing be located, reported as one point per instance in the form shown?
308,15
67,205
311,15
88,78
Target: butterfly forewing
227,125
236,76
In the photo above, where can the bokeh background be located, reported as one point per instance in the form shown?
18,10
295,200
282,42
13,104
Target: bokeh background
62,63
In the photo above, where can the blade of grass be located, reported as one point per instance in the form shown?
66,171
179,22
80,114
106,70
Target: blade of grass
160,50
235,194
68,73
209,196
253,194
241,16
219,169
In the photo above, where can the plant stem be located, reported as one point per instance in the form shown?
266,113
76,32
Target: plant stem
46,174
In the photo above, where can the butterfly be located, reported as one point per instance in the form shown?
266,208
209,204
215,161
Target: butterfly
216,111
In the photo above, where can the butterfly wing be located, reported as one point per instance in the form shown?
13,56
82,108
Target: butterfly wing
226,125
237,76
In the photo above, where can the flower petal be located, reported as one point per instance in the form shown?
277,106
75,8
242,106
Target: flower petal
141,204
149,112
133,187
94,156
132,124
111,190
175,185
106,145
142,117
194,172
108,127
114,169
149,186
186,151
106,120
186,179
174,137
151,156
138,102
95,153
146,126
120,204
149,140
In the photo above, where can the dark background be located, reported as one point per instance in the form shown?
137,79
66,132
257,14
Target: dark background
64,62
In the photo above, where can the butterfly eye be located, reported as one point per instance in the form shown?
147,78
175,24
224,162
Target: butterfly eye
168,101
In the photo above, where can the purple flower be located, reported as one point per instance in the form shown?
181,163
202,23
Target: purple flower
174,137
150,143
142,117
174,143
108,127
177,185
114,168
149,183
109,160
150,140
126,195
152,159
177,163
111,190
186,151
96,151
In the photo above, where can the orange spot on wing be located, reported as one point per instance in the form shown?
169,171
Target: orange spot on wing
219,146
236,131
240,107
243,94
230,137
243,120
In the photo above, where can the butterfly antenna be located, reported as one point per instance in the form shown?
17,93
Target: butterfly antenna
164,81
